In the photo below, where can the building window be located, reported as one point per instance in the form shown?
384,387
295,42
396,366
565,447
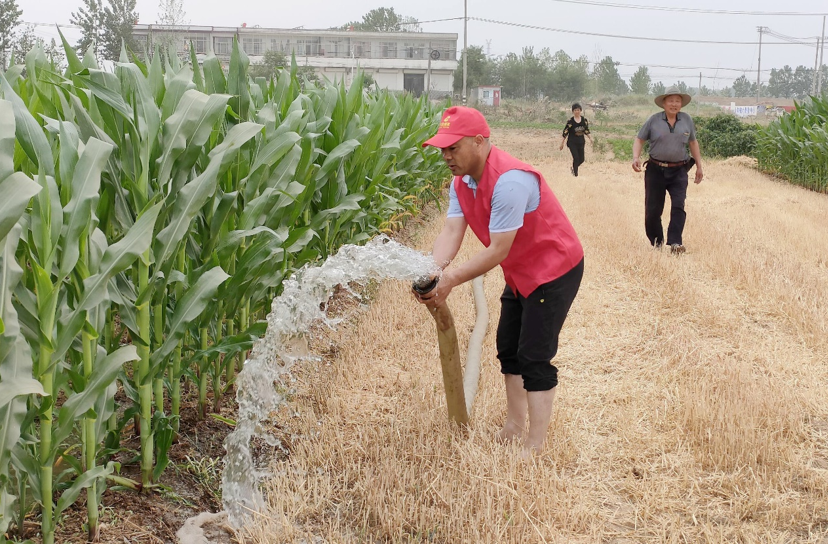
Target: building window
308,47
252,46
446,49
362,50
334,48
486,94
414,50
388,50
199,43
141,41
287,47
222,46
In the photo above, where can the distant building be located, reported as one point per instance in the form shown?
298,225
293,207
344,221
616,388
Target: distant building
398,61
485,95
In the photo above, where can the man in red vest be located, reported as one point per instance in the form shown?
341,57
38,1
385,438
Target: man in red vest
514,213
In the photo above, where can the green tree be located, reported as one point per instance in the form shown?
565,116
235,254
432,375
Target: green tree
640,81
523,76
682,87
742,87
9,20
383,20
607,78
368,81
781,82
801,84
106,27
568,77
479,69
23,42
658,89
271,63
170,13
119,18
91,19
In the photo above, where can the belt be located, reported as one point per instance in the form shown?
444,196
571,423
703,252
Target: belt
666,164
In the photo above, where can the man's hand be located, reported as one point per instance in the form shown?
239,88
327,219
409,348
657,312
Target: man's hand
699,174
438,295
636,165
561,146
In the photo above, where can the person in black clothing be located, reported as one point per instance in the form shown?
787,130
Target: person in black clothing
573,135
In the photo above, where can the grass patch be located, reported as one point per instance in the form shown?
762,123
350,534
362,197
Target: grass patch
621,148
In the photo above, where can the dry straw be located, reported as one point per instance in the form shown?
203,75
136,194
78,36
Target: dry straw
691,406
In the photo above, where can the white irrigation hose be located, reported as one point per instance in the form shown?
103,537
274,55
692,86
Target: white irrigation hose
471,376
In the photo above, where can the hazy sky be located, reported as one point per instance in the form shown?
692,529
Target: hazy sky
713,60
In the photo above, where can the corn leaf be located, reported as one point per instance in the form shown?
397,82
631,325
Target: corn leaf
85,189
80,403
188,309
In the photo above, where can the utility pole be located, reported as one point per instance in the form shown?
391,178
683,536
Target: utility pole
816,67
761,29
465,45
428,72
821,53
698,94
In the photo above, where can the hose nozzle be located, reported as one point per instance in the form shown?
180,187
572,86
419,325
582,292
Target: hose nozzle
425,284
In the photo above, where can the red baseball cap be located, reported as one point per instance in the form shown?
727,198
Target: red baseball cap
458,122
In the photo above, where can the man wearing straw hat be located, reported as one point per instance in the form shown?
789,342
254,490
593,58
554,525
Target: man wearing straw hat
669,133
524,229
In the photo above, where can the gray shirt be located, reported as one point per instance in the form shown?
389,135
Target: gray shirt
516,193
668,144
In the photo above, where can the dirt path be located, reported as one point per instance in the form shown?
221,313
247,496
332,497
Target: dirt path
691,406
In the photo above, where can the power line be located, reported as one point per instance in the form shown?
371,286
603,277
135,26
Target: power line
618,36
689,67
432,21
792,39
691,10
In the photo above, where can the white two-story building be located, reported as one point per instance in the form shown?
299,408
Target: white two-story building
398,61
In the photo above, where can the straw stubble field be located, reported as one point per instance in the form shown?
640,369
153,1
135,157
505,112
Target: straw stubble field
691,406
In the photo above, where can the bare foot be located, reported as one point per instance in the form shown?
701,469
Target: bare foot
509,433
527,455
531,451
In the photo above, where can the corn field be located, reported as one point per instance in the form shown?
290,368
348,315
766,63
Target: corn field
148,216
796,145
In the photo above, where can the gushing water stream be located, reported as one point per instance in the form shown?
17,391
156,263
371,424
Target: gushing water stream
292,314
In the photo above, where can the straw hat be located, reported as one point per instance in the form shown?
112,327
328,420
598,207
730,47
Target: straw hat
685,98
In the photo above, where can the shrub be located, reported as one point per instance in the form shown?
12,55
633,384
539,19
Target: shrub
724,135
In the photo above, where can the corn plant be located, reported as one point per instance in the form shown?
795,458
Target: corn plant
795,146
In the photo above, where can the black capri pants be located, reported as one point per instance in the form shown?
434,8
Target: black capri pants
527,334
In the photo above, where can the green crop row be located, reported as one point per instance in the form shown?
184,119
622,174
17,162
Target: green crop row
795,146
148,215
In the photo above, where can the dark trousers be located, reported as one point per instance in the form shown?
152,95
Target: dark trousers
657,182
527,334
576,147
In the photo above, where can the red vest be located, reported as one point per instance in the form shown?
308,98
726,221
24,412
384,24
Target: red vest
545,247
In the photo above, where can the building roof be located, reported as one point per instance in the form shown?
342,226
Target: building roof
295,31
